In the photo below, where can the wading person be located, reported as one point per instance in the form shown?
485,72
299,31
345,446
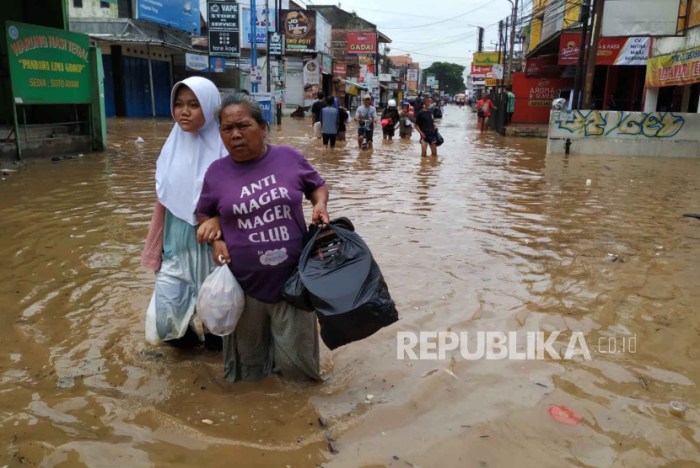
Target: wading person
426,128
258,192
407,118
172,251
366,116
316,108
390,117
329,123
343,116
483,111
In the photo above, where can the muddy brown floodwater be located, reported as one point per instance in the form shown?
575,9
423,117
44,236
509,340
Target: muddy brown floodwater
490,236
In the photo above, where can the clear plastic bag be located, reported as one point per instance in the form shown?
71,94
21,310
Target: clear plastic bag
220,301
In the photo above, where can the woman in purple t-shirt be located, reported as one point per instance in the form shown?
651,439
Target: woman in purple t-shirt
258,193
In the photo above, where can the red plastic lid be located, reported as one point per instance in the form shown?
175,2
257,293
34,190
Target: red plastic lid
564,415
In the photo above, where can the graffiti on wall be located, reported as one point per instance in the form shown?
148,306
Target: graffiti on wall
591,123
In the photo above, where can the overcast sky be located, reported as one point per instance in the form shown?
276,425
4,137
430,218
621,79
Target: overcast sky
431,30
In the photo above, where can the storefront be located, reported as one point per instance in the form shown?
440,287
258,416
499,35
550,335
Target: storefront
674,81
618,83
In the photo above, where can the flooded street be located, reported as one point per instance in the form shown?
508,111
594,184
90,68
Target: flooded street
490,236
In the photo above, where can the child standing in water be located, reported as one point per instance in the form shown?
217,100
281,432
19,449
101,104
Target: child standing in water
172,251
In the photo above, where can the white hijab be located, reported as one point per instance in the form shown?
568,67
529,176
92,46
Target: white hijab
185,157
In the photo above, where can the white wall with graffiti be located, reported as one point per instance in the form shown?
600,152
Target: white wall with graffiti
622,133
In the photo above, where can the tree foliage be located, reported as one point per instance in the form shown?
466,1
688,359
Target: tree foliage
449,75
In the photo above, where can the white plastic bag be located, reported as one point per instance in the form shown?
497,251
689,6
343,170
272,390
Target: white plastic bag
220,301
151,330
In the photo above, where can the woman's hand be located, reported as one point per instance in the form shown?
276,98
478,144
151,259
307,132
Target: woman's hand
319,198
220,252
209,230
319,214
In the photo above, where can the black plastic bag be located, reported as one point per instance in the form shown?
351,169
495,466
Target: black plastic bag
345,285
296,293
439,140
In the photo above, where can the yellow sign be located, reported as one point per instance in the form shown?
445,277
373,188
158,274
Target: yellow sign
490,82
677,69
485,58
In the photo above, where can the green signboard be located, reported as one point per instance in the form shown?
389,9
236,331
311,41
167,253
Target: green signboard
48,66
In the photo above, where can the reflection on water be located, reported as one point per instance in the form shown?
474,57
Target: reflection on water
491,235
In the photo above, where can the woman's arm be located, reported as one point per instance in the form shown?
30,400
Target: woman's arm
319,199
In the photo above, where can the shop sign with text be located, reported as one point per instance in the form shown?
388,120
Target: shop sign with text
361,43
299,29
611,50
535,95
486,58
678,69
48,66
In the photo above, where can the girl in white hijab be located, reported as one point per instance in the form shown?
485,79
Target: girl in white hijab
172,250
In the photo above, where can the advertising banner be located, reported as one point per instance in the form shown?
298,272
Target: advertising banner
361,43
411,74
224,37
480,71
385,77
311,79
496,72
326,64
677,69
611,50
340,69
260,26
276,44
485,58
640,17
194,62
534,97
544,66
177,14
265,101
429,80
48,66
299,28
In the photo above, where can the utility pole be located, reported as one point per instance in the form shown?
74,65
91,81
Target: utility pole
267,42
480,47
512,42
593,54
253,47
578,82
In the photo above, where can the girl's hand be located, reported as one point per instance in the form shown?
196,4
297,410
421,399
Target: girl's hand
209,230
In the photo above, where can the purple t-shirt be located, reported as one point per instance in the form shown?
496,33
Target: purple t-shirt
262,219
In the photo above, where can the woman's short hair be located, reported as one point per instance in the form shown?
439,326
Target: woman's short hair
239,99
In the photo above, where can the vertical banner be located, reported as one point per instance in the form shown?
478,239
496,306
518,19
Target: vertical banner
299,28
311,78
224,36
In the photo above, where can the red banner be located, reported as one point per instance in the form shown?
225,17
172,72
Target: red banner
544,66
339,69
480,71
611,50
361,43
534,96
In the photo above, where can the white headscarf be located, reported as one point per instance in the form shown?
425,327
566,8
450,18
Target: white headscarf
185,157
